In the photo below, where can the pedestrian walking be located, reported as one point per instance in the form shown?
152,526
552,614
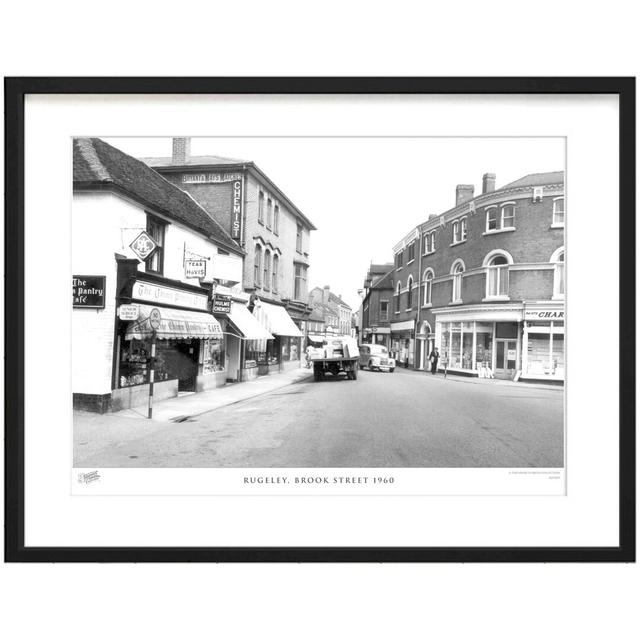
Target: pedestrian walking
434,356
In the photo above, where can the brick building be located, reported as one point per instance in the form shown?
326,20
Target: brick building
336,312
273,232
484,282
376,306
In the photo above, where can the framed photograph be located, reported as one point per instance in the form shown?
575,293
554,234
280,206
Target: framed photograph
320,319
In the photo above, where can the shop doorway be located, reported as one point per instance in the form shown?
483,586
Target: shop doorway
506,359
187,364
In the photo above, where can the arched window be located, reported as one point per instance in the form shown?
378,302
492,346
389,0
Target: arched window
266,277
409,292
427,282
397,296
497,264
457,270
558,212
257,265
274,282
558,275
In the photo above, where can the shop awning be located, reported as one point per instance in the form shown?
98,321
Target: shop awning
275,319
315,337
246,324
173,323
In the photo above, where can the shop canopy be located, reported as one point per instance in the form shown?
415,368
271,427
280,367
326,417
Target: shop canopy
275,319
173,323
248,326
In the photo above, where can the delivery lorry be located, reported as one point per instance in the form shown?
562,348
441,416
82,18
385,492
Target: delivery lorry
336,355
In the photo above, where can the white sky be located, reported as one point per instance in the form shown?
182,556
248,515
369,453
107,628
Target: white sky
366,194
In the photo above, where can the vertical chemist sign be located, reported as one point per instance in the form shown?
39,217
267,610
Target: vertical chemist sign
88,292
236,208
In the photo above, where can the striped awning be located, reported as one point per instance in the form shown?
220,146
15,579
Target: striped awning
275,319
173,323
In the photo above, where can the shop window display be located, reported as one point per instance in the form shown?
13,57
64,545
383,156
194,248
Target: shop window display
213,356
135,359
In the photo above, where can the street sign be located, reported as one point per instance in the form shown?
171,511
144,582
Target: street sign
88,292
128,311
195,268
154,319
221,303
143,246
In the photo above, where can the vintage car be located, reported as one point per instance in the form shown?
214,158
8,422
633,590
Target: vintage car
375,356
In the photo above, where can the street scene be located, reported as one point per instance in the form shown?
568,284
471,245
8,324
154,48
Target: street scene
235,305
404,419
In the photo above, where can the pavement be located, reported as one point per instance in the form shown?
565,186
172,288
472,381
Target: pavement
400,419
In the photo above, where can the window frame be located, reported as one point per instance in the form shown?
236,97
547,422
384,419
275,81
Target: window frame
554,223
257,266
397,297
504,206
555,259
276,219
274,272
384,314
261,206
298,237
427,280
158,252
409,293
457,269
266,270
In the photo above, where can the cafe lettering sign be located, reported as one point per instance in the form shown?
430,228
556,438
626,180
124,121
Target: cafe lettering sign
88,292
143,246
221,303
168,295
195,268
544,314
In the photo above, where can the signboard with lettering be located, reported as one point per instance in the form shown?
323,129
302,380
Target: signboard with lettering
195,268
143,246
544,314
221,303
208,178
236,209
88,292
128,311
167,295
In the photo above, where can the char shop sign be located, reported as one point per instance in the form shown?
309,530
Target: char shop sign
88,292
208,178
544,314
168,295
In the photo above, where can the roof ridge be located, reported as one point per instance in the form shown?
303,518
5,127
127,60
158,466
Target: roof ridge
89,153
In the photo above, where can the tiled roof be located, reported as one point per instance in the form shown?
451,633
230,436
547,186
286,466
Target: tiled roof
97,163
536,180
192,161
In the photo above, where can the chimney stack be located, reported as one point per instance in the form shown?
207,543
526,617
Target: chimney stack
464,193
488,182
325,293
181,150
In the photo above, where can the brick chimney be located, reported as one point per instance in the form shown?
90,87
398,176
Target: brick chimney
464,193
325,293
181,150
488,182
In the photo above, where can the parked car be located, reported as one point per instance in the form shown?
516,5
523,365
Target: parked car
375,356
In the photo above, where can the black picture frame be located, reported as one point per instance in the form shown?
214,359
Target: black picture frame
15,91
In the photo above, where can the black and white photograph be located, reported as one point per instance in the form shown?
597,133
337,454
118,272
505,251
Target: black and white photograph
319,302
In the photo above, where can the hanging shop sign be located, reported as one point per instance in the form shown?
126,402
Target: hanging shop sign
221,303
167,295
88,292
207,178
143,246
128,311
195,268
236,208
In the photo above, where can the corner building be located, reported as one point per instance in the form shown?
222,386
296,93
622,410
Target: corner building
485,283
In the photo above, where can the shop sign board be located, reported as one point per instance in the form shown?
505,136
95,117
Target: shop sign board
143,246
511,354
208,178
236,208
129,312
221,303
195,268
167,295
544,314
88,292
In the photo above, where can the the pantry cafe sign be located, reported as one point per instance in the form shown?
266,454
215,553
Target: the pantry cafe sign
88,292
544,314
168,295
